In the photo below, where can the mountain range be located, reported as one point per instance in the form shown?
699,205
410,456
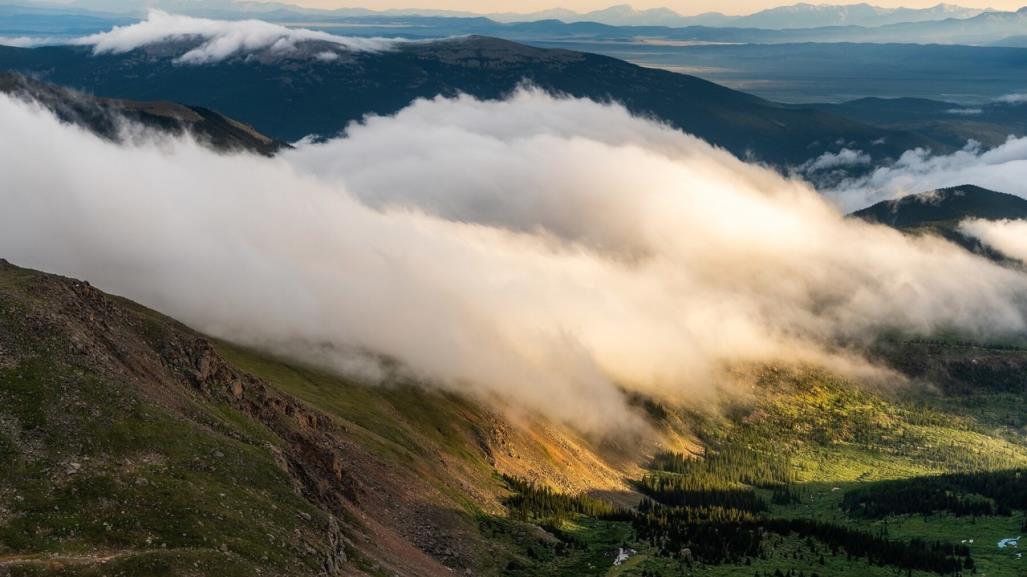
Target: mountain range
983,29
796,23
323,97
800,15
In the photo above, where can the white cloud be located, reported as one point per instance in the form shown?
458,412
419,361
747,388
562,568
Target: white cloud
537,252
844,158
1003,168
1018,98
221,39
1008,237
964,111
28,41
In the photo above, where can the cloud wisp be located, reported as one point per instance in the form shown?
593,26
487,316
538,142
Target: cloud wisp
538,252
31,41
1015,98
965,111
844,158
221,39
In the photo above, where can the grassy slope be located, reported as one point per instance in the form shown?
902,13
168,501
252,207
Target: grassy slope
448,442
930,434
838,437
398,420
91,468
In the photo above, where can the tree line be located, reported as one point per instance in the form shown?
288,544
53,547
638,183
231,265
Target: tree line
728,465
717,535
532,502
981,493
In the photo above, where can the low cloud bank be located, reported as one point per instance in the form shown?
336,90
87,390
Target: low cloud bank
1003,168
541,253
1008,237
221,39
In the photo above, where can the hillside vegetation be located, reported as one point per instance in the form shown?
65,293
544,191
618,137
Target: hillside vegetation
130,445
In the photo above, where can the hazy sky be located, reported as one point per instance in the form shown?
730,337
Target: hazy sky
682,6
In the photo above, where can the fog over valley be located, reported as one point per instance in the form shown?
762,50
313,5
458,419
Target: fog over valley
576,250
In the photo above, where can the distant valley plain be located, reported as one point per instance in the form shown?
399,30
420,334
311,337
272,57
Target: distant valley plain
810,72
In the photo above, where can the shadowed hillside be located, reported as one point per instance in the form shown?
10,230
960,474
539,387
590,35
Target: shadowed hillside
107,117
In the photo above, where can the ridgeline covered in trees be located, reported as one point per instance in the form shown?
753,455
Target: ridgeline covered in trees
977,494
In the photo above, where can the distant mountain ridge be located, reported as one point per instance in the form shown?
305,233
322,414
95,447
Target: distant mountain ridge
799,15
323,97
944,24
805,15
619,15
987,28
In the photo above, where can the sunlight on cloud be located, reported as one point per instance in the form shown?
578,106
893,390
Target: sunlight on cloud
534,252
1008,237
